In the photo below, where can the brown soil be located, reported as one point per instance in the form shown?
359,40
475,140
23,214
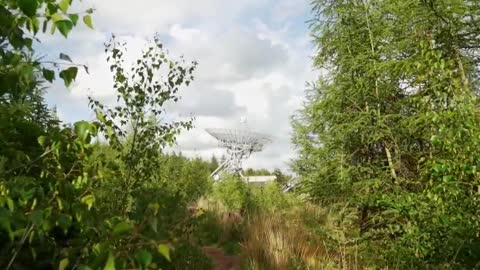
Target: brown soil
222,261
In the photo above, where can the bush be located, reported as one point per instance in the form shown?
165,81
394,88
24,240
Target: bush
187,257
233,192
270,197
207,228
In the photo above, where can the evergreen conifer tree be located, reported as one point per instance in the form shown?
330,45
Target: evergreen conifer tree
391,129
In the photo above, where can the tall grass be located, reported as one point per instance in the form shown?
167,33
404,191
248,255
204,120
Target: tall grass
279,231
282,240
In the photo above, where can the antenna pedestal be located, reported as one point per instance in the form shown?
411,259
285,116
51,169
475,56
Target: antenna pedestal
240,144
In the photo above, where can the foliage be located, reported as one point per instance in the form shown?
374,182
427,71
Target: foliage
390,130
281,231
253,172
43,187
272,242
270,197
188,257
281,178
190,178
142,199
233,192
21,21
155,80
66,201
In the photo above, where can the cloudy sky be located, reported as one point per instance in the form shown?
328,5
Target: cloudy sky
254,60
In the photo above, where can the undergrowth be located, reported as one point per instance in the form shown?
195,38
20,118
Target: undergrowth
269,229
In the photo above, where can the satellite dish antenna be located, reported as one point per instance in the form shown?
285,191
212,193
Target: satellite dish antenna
239,144
243,120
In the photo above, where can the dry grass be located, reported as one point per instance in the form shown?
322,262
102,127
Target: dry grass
271,243
282,241
286,239
230,222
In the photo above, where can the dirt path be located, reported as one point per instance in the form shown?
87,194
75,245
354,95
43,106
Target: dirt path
220,260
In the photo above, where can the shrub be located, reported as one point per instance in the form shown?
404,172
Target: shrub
233,192
270,197
188,257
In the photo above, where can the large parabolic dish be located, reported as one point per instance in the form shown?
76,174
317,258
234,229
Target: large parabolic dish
239,143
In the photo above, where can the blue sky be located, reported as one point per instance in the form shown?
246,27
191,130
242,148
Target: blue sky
254,61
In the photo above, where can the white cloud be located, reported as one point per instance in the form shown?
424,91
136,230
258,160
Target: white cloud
253,61
144,17
187,34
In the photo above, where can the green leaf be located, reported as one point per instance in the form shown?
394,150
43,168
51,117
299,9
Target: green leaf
64,221
19,233
5,224
10,204
88,200
65,57
100,116
82,128
26,75
64,4
63,264
122,227
164,251
29,7
34,24
110,265
16,39
41,140
68,75
57,17
144,258
88,21
73,18
51,9
37,217
154,224
64,26
48,74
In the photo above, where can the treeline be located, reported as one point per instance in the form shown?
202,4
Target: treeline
389,135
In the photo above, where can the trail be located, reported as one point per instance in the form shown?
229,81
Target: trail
222,261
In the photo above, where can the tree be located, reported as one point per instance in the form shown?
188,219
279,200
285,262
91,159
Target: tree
143,93
213,164
390,128
37,197
280,178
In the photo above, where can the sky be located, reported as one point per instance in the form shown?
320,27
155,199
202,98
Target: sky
254,60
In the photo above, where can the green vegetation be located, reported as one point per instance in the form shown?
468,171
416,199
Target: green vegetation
390,133
388,141
90,195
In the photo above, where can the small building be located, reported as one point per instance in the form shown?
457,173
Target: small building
259,180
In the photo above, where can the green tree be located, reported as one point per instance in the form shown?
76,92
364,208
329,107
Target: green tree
280,178
143,94
390,129
233,192
38,195
213,164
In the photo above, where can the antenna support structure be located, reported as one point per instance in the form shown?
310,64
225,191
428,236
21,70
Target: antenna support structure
239,145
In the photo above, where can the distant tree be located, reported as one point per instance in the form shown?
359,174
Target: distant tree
249,172
222,158
213,164
280,178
